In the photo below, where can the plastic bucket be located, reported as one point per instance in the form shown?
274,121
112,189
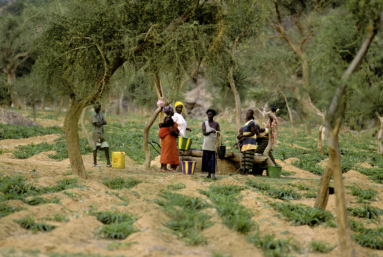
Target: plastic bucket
188,168
118,160
184,143
274,171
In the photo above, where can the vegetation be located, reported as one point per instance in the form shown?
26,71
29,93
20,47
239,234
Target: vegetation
226,201
8,131
120,183
187,222
176,186
29,223
300,214
272,246
363,194
6,209
367,211
321,247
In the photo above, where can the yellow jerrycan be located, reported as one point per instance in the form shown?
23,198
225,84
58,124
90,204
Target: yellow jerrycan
118,160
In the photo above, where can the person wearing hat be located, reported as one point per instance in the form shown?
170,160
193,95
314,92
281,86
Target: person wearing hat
177,118
99,140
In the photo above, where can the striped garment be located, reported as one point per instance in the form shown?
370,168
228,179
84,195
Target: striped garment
247,160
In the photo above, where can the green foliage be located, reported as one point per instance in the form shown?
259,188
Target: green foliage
367,211
273,247
108,217
367,237
233,214
300,214
8,131
120,183
287,173
176,186
6,209
29,223
26,151
363,194
16,188
117,245
39,200
321,247
310,195
116,230
187,222
58,217
278,193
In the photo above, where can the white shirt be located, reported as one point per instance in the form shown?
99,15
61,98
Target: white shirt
177,118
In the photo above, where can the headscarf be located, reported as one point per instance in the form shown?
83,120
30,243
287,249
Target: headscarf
178,104
167,108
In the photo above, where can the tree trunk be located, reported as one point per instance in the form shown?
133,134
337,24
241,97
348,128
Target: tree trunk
323,192
236,98
160,94
290,115
43,104
72,137
321,135
34,110
11,79
121,109
83,127
58,111
146,137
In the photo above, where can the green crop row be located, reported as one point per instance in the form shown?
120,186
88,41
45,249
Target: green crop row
8,131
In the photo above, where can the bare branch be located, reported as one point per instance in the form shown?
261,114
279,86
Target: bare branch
21,62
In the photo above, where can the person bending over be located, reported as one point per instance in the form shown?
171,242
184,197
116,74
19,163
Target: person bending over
99,141
209,129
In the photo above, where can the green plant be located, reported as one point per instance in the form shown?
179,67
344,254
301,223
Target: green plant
273,247
302,187
6,209
108,217
283,193
363,194
300,214
287,173
176,186
116,230
310,195
186,202
367,211
322,247
39,200
58,217
9,131
120,183
29,223
116,245
258,185
233,214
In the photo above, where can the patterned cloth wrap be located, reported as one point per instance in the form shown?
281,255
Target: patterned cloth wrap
274,126
167,108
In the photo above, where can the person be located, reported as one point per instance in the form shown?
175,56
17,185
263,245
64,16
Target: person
238,145
263,141
99,141
210,128
168,134
177,118
250,132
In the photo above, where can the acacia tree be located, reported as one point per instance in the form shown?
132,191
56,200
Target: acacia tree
16,40
86,42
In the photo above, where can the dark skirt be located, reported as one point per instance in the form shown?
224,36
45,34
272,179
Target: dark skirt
208,161
247,160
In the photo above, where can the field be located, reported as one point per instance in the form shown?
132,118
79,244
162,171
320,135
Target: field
47,211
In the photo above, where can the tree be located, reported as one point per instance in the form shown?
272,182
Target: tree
86,42
16,40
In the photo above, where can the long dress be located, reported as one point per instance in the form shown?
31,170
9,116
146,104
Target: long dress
248,146
169,151
208,147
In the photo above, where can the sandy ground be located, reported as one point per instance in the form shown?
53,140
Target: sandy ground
153,239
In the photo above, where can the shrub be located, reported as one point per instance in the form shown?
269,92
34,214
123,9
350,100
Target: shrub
108,217
273,247
367,211
322,247
300,214
176,186
116,230
29,223
120,183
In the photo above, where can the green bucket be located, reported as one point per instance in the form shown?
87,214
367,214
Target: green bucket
184,143
274,171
